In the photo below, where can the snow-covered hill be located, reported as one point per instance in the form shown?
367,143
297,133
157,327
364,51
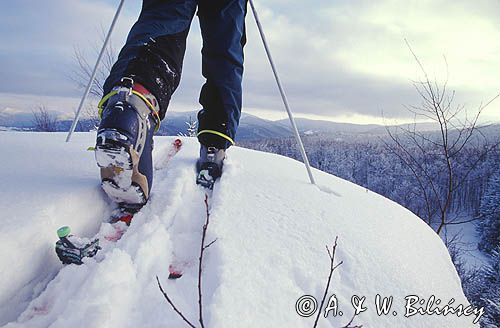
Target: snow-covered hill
271,227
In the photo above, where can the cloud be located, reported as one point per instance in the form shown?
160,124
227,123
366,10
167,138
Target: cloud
38,39
350,56
467,34
336,58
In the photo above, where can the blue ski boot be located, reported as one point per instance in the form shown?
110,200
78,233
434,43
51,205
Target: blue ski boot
209,166
125,143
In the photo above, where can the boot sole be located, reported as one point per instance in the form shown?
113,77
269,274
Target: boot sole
121,179
130,198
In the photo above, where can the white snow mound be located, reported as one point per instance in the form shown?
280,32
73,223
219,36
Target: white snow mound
270,224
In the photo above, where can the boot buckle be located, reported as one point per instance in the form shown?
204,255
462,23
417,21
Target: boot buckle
125,88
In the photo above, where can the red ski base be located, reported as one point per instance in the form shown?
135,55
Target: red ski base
174,273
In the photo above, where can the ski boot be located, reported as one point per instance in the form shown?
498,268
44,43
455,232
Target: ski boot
125,142
71,249
209,166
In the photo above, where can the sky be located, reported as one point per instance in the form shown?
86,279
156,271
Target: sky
340,60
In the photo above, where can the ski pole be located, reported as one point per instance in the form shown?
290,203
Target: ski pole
283,95
94,72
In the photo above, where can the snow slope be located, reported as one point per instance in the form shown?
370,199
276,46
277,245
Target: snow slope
271,228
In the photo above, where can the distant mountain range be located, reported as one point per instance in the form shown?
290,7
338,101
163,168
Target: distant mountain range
251,127
13,118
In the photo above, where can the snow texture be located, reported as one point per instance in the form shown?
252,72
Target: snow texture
271,227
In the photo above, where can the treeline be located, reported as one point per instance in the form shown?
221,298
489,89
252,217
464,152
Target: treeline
370,163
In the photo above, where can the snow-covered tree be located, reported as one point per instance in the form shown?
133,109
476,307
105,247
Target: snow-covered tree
482,288
192,127
489,225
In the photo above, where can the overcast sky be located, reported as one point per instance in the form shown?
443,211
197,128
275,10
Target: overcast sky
344,60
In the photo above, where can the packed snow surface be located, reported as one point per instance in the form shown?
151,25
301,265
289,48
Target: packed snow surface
270,224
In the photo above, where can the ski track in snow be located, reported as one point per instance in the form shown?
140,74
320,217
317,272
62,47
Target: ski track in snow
170,223
271,227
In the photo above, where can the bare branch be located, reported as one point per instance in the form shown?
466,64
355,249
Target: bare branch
82,72
203,247
331,254
210,244
348,325
173,305
43,120
440,166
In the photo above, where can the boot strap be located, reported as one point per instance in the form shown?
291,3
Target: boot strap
137,100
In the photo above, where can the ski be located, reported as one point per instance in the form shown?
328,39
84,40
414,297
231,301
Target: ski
184,261
209,168
176,270
72,249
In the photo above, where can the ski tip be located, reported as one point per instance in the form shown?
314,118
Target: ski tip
177,143
174,275
63,232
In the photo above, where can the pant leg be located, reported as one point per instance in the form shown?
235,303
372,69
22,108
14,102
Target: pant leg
155,48
222,25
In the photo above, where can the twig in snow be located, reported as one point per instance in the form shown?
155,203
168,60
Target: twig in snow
173,305
331,254
333,266
203,247
348,325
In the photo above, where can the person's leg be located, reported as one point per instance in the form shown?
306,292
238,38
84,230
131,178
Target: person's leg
155,48
222,25
150,66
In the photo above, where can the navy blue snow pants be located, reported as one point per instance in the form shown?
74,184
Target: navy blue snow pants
154,52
